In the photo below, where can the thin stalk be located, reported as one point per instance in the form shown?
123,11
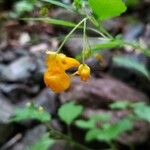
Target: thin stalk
101,28
70,33
97,31
131,146
67,138
84,42
93,21
69,131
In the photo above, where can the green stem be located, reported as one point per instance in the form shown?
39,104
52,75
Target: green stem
112,146
97,31
93,21
101,28
66,138
70,33
131,146
84,42
69,131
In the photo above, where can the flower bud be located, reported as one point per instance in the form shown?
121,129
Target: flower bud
84,72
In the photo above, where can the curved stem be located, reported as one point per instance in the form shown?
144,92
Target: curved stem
67,37
101,28
97,31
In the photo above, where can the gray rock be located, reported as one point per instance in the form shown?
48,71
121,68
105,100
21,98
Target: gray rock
6,110
9,55
30,138
18,91
2,68
114,25
100,92
133,31
47,99
33,135
19,70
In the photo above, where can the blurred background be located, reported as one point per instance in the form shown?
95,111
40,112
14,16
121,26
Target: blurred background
22,53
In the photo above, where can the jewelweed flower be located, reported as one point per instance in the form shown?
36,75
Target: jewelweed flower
57,82
84,72
55,76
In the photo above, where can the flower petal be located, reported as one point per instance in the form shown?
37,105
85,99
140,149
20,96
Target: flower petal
57,82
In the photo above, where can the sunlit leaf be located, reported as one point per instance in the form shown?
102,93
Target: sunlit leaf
85,124
106,9
31,112
23,6
120,105
101,117
94,119
77,4
142,111
69,111
109,132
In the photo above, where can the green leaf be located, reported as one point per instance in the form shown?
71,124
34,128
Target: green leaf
105,45
57,3
92,134
30,112
94,119
104,117
109,131
120,105
43,143
68,112
77,4
106,9
131,64
23,6
89,124
52,21
142,111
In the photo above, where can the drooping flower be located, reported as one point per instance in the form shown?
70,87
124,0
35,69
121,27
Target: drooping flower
84,72
57,82
55,76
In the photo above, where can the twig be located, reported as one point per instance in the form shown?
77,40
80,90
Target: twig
11,142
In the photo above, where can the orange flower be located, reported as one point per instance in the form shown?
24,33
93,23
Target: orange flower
57,82
55,76
84,72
